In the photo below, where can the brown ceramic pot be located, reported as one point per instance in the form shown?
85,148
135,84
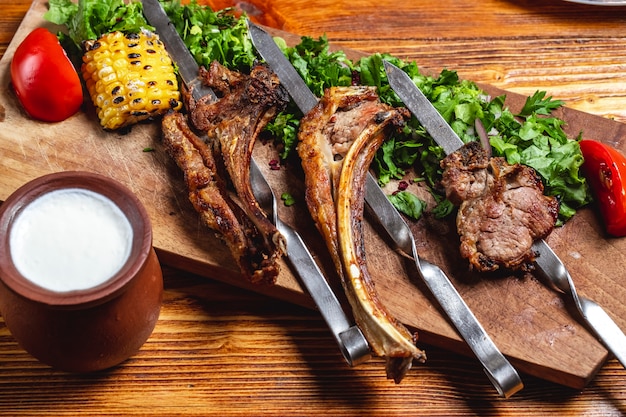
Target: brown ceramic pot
88,329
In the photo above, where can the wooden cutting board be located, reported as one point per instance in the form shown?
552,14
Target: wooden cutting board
530,323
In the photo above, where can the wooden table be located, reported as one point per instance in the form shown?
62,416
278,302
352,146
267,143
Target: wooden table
220,350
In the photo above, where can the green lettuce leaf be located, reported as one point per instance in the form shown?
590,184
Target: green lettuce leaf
408,203
90,19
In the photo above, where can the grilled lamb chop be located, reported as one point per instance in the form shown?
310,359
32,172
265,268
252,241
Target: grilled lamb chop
337,141
245,104
502,208
210,198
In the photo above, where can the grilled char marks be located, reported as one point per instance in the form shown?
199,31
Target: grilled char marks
232,124
247,104
502,208
337,142
210,198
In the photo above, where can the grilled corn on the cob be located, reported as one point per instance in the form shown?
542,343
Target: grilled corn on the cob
129,78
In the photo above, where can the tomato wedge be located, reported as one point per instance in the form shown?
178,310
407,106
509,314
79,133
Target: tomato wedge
44,79
605,169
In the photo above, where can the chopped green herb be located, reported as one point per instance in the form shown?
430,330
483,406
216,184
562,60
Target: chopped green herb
443,209
538,105
284,128
288,199
90,19
532,137
408,203
318,65
213,35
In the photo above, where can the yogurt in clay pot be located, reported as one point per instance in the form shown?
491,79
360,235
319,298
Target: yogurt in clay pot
80,283
70,239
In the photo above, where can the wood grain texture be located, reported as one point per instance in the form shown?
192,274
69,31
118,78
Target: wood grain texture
533,328
218,350
575,51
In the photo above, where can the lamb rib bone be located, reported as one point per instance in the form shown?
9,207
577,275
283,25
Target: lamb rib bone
245,104
337,140
230,125
349,337
208,195
503,377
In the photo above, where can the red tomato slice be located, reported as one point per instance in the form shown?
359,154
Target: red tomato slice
605,169
44,79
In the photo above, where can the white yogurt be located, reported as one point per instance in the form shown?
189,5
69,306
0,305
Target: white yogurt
70,239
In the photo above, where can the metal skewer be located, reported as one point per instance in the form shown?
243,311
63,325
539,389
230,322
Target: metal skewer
502,375
351,341
498,369
548,263
599,322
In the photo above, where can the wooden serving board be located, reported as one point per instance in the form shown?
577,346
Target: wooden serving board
530,323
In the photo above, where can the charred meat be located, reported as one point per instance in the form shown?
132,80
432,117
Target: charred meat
337,141
219,168
502,208
245,106
211,199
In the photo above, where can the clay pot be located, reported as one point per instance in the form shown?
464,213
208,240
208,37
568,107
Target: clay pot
86,329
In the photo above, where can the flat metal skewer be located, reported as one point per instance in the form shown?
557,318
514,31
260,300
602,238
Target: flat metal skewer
548,263
598,321
498,369
502,375
349,337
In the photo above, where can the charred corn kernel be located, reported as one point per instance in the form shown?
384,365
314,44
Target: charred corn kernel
129,78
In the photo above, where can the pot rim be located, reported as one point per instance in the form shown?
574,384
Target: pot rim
125,199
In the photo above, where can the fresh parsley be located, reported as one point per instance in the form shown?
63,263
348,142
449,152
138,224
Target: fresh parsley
288,199
284,128
532,137
408,203
90,19
213,35
317,64
538,104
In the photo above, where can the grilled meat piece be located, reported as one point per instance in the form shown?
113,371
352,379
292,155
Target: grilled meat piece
337,141
209,196
245,104
502,208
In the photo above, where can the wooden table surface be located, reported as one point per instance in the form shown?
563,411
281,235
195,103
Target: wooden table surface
220,350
